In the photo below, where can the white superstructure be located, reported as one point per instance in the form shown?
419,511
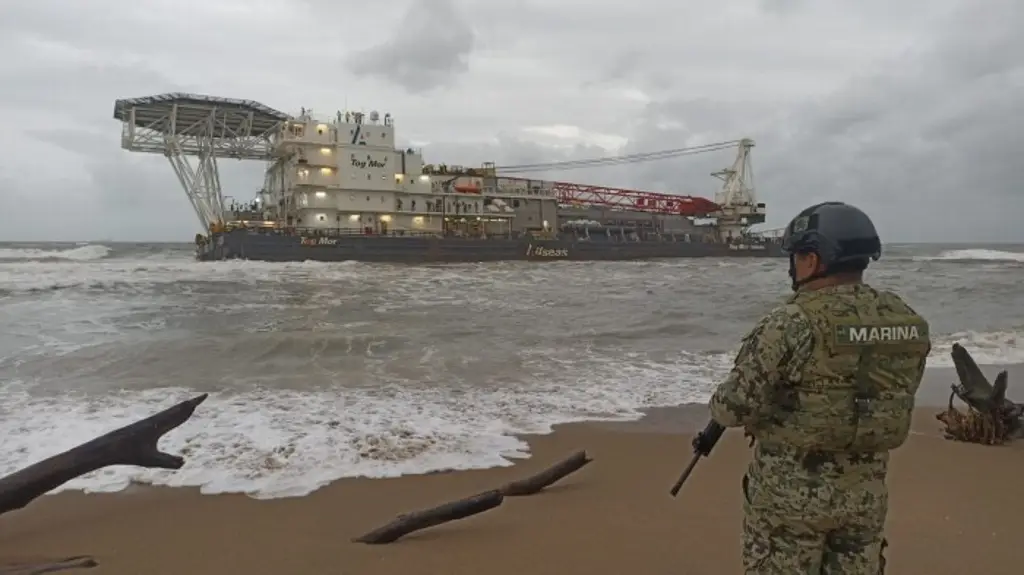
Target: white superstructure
344,172
340,173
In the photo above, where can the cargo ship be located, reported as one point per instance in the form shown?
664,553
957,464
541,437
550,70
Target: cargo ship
337,189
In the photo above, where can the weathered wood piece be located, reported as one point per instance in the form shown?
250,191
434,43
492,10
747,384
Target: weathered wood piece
535,483
991,418
134,444
415,521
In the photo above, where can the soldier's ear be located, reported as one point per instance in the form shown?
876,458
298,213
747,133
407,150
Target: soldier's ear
811,261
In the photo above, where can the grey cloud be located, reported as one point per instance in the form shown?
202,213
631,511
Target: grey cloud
428,49
912,110
82,142
507,150
781,6
926,142
77,92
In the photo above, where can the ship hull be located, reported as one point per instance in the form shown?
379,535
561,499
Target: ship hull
240,244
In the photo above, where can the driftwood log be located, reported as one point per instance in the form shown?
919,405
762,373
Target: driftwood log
409,522
134,444
406,523
549,476
991,418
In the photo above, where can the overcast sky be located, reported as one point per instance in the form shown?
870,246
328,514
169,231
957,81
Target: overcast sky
911,109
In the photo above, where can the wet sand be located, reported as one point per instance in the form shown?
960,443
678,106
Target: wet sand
955,508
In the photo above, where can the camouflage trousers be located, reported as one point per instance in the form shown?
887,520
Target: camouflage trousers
792,527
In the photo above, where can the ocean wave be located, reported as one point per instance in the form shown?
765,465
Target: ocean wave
80,253
973,255
31,276
321,371
273,443
991,348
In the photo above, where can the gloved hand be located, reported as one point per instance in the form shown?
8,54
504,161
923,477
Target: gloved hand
706,440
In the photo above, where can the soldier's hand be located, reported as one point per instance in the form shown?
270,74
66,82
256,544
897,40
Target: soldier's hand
750,436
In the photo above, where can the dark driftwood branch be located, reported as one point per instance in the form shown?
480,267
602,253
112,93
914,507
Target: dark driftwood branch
974,388
409,522
991,418
82,562
549,476
134,444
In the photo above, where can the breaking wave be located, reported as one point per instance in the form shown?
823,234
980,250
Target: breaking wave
80,253
322,371
991,348
975,255
282,442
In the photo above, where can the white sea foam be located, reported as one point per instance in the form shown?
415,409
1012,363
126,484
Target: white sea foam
975,254
279,443
81,253
995,348
275,443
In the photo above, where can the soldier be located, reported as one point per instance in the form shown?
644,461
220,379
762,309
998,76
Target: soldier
825,385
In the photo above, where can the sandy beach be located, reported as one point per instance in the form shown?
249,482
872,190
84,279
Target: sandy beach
955,508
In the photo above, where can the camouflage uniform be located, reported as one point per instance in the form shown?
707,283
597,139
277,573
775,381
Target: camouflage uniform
825,384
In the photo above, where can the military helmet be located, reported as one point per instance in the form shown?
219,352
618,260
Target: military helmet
836,231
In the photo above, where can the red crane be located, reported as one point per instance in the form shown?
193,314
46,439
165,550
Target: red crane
624,199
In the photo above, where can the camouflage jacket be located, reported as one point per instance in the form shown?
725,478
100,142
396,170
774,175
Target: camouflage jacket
779,350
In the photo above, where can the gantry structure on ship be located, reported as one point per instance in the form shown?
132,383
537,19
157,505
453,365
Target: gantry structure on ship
195,131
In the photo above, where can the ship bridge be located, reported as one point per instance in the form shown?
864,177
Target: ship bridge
193,131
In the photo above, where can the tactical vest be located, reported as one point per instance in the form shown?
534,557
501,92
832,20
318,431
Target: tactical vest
855,393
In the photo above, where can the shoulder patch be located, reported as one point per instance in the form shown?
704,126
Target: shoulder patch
873,334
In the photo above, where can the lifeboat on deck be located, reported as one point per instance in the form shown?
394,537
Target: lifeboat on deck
467,188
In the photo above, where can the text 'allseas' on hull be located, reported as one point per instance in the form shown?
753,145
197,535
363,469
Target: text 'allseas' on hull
243,244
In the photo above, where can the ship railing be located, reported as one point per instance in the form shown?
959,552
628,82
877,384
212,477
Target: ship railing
606,235
774,233
517,192
338,232
307,232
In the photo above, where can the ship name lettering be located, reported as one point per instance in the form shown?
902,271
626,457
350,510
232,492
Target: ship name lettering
319,241
369,162
543,252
